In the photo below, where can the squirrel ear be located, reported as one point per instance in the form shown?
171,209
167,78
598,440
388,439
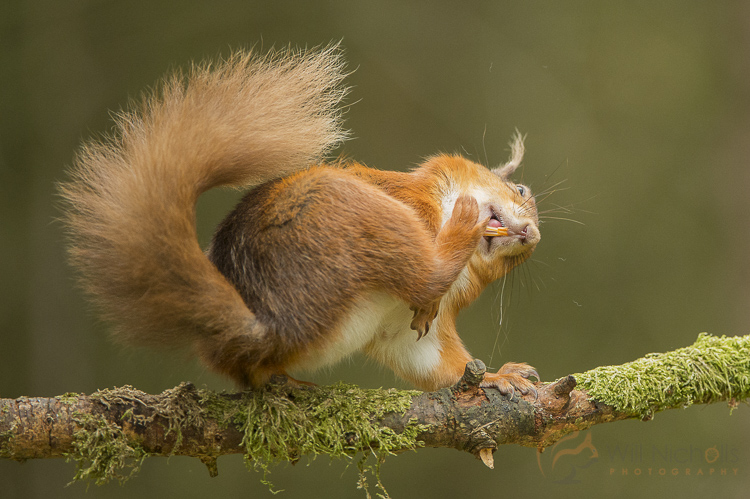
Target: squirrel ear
516,156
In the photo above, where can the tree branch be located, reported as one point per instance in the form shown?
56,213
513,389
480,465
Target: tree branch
110,432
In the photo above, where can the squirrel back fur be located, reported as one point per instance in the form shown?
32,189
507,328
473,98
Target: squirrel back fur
131,199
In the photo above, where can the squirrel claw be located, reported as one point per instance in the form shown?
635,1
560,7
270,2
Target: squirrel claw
423,318
421,328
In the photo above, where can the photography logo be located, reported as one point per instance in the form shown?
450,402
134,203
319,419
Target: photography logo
683,459
566,459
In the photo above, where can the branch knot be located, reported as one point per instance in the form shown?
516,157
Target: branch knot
472,377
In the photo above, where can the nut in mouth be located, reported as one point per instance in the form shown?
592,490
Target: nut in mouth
495,227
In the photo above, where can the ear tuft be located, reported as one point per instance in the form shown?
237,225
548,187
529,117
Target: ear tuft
516,156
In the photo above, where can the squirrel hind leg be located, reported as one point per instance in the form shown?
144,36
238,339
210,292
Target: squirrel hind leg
245,356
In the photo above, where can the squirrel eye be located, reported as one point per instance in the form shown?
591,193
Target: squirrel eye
521,190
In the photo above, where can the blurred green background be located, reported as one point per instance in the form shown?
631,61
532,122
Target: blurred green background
641,108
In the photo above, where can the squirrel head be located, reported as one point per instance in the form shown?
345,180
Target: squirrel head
507,204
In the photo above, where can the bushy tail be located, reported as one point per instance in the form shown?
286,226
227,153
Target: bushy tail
130,205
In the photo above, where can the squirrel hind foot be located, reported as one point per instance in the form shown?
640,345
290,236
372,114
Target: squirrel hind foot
283,379
272,378
511,377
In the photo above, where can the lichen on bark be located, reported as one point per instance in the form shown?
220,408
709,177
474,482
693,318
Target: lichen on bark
713,368
276,424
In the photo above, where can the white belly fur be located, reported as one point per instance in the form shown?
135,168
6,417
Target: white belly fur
379,324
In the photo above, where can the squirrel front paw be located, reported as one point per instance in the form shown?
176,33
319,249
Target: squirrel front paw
423,318
463,230
465,210
465,215
511,377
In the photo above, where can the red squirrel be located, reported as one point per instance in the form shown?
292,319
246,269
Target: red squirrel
318,260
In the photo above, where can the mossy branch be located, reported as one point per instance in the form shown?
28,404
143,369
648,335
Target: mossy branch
110,432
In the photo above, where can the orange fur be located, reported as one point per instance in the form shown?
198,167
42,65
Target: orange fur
317,261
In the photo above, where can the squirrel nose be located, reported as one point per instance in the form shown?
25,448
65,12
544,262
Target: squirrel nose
522,235
529,234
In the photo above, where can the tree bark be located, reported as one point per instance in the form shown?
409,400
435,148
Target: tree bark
112,431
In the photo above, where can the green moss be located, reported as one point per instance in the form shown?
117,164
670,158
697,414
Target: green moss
335,420
338,421
218,406
68,398
101,451
178,406
713,368
6,441
278,423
